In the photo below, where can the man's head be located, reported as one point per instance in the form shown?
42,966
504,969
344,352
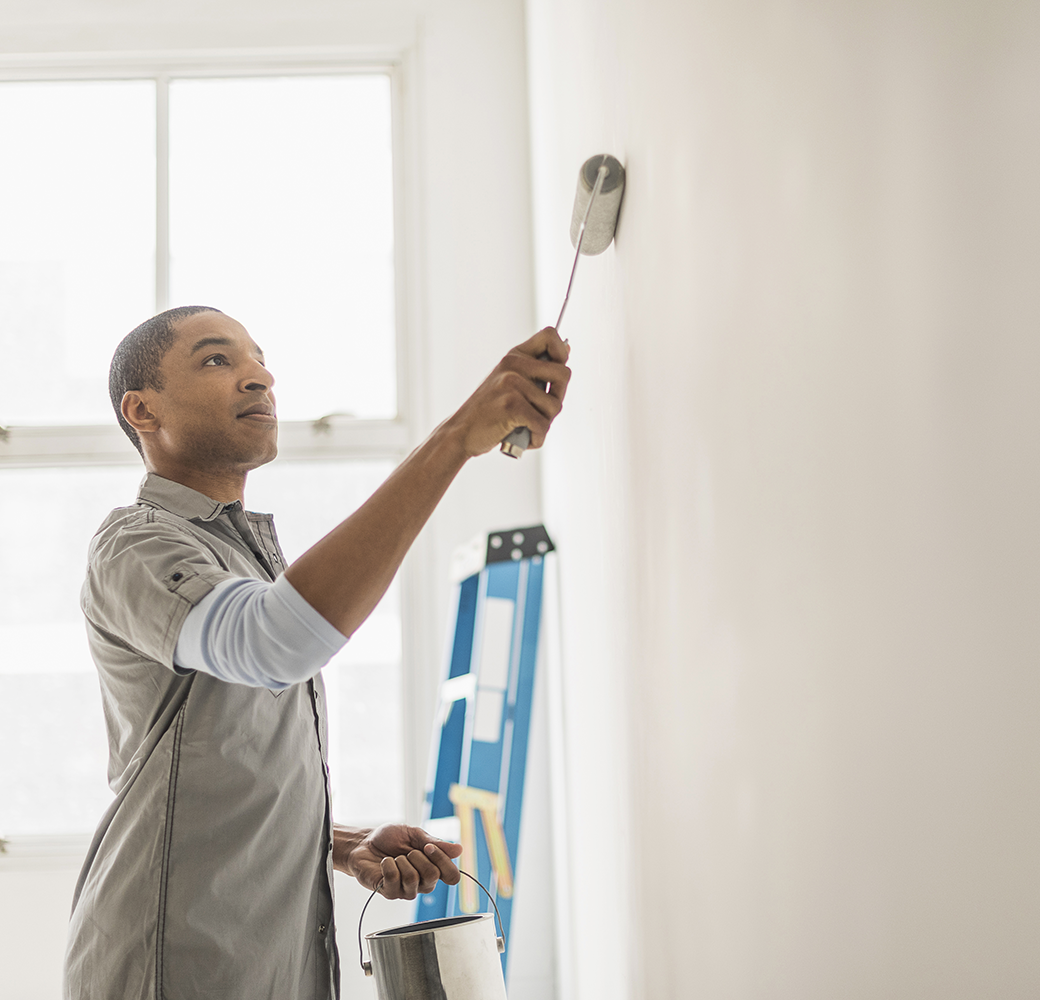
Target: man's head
137,362
191,391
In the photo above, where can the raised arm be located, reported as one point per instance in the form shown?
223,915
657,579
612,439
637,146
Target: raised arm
345,574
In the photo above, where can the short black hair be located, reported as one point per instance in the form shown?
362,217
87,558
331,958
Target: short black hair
137,362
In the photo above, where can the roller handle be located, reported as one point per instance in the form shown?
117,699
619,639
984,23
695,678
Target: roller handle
518,440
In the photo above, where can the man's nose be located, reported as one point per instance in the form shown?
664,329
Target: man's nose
258,380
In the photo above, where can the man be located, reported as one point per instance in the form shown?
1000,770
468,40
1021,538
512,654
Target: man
211,873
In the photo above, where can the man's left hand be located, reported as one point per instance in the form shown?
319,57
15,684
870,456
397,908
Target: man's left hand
405,859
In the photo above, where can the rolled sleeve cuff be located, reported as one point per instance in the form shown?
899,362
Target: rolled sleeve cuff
256,633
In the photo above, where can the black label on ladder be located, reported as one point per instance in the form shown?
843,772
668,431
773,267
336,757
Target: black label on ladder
518,543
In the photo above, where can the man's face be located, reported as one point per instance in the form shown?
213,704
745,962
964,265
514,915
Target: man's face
216,410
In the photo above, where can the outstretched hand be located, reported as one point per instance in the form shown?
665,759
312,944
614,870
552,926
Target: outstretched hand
400,860
525,389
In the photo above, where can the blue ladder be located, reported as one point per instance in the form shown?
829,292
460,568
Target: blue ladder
475,788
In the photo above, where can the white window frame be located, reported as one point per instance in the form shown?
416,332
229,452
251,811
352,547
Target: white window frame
333,437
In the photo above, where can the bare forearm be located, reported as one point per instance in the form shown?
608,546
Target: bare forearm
344,575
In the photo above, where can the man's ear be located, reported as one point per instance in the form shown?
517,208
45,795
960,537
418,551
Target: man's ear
138,413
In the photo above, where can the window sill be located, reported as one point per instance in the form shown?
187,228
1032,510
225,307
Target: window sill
329,437
53,852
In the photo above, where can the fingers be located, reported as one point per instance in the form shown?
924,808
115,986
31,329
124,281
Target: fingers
538,404
413,862
445,847
400,879
533,388
546,341
524,397
406,875
441,855
540,361
543,358
525,389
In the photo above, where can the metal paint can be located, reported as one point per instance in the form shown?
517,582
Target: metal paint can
453,958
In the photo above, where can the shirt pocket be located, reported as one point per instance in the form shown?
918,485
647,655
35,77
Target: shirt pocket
186,582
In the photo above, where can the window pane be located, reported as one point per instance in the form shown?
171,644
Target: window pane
281,214
364,681
53,749
77,241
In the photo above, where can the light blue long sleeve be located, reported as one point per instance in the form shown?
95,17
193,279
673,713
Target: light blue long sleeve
255,633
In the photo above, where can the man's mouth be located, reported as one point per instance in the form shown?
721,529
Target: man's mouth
260,412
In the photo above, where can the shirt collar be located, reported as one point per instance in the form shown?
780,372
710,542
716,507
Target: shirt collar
179,499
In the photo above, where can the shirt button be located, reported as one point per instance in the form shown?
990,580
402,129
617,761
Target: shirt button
321,928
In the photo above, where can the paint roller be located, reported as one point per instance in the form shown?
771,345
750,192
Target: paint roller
601,183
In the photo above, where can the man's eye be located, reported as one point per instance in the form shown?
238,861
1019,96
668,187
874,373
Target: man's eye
217,359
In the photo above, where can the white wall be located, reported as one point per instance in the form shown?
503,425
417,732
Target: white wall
35,897
795,491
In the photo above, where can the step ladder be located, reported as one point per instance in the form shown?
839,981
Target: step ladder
478,759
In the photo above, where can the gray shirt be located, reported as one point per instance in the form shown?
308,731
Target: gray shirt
210,875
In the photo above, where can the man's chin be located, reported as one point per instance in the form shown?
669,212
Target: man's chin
268,456
254,454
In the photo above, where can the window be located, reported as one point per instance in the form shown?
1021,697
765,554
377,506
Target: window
267,195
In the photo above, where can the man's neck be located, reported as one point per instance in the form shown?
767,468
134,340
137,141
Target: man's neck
222,487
